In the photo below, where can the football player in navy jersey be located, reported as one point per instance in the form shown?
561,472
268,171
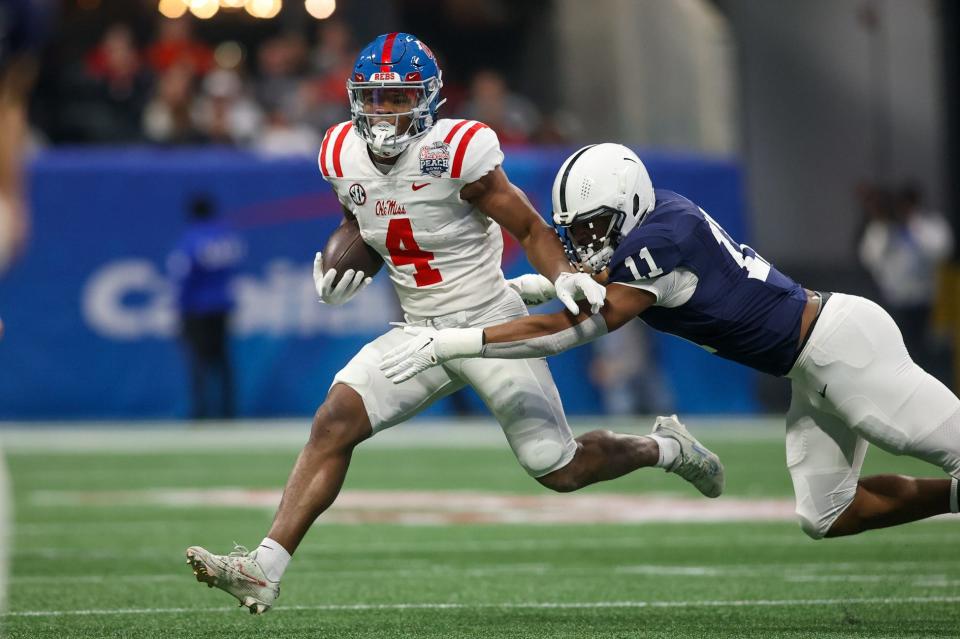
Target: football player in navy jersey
666,260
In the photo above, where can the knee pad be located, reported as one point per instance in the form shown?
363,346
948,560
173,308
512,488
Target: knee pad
818,511
941,446
541,456
811,527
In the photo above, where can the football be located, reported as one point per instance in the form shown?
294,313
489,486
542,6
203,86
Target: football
346,249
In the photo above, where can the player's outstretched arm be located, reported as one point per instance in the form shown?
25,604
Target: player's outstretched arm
507,205
527,337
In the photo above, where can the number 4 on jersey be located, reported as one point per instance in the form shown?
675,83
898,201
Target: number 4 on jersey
405,250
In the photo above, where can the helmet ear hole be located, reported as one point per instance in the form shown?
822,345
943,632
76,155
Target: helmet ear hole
636,203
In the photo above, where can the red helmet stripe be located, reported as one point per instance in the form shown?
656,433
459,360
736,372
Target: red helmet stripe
336,149
323,151
462,148
387,52
456,127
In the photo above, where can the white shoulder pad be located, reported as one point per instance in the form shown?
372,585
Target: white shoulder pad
474,150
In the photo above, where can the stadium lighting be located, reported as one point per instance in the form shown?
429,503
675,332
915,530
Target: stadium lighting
321,9
263,8
231,4
204,9
172,8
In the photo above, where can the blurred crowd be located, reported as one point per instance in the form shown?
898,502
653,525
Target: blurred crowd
278,98
903,246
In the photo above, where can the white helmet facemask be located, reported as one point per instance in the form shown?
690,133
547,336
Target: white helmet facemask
601,193
382,131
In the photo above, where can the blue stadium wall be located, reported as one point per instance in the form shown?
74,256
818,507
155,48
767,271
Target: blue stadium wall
90,320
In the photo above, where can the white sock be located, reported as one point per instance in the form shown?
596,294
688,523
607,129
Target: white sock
669,451
273,558
953,495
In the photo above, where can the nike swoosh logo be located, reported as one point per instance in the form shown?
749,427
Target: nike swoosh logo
823,391
417,187
433,359
701,450
259,582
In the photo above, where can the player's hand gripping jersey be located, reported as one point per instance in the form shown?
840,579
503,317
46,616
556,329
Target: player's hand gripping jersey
710,290
443,255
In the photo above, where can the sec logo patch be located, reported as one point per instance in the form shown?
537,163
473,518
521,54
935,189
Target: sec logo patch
358,194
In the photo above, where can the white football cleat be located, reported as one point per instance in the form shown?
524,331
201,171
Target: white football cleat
695,463
238,574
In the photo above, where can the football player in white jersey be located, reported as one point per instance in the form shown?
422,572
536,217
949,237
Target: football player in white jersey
430,196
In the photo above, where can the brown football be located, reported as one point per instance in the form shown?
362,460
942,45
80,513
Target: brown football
346,249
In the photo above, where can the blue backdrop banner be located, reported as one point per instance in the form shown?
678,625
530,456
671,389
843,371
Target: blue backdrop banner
90,317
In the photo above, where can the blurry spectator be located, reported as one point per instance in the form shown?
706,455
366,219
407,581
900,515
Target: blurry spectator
280,66
121,87
513,117
167,118
176,46
626,373
281,137
225,114
202,266
902,247
322,99
334,53
560,127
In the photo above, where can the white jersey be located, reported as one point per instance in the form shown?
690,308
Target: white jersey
443,255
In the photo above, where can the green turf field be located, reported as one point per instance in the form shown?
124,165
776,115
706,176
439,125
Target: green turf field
102,523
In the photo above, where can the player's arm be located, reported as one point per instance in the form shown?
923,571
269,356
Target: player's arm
527,337
504,203
542,335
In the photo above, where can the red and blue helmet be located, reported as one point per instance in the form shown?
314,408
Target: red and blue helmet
395,68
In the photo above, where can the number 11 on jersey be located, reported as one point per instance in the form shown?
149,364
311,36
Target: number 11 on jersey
405,250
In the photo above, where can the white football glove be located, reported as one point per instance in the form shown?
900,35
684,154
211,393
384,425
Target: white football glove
571,285
533,288
349,285
427,348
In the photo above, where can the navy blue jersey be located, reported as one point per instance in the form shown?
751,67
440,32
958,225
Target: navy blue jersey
742,309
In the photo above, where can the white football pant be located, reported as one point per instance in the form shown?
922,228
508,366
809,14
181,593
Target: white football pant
855,383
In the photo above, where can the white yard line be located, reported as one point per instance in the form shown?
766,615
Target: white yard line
450,507
425,507
791,573
286,434
735,603
496,545
480,571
